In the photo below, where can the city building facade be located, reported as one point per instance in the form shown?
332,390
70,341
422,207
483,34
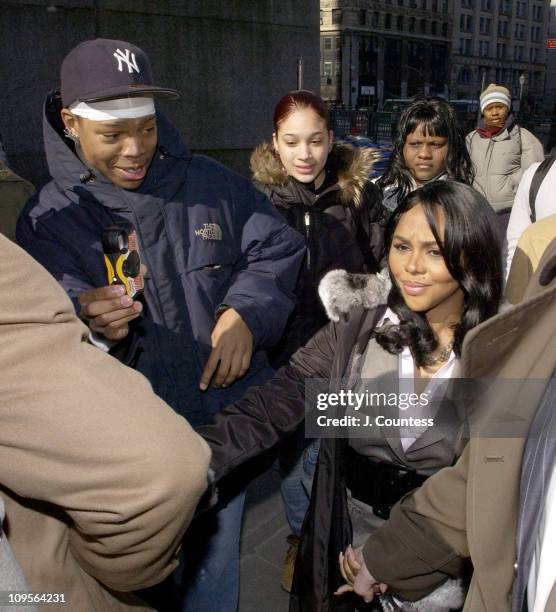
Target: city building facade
374,50
502,41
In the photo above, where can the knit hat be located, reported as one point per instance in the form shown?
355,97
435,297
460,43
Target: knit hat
495,93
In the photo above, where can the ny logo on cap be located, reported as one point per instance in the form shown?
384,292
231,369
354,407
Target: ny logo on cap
125,57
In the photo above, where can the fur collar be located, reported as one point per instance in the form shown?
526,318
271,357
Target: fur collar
352,166
341,291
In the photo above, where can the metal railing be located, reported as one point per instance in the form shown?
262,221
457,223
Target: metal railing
382,128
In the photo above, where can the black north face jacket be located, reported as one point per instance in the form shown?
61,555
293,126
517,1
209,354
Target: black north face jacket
208,239
340,223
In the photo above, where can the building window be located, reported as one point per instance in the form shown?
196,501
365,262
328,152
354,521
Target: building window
484,48
362,17
376,17
336,16
411,25
388,21
433,28
519,31
445,30
400,2
464,75
532,54
399,23
535,33
486,5
327,71
484,25
423,26
505,6
444,6
424,4
434,6
327,43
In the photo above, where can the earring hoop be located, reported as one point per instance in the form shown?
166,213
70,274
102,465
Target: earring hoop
71,135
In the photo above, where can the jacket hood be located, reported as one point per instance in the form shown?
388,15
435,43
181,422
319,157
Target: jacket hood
341,292
71,174
352,166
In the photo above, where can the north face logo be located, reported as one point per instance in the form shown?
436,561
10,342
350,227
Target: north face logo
126,58
209,231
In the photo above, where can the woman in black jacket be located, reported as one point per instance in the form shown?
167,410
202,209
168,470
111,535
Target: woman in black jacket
444,261
323,190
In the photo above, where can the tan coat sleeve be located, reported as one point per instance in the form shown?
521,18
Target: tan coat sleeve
88,435
425,540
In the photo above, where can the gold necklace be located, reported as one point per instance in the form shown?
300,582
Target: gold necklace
441,357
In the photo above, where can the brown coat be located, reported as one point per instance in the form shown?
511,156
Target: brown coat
470,510
99,476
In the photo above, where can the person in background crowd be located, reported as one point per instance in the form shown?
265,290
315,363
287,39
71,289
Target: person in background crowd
542,194
14,194
529,251
222,263
98,476
3,158
445,265
429,146
500,150
323,191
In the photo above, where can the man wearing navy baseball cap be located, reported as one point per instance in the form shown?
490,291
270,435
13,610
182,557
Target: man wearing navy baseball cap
222,264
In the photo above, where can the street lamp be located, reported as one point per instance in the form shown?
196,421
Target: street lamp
521,84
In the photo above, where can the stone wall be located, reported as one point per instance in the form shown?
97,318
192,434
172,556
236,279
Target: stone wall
231,59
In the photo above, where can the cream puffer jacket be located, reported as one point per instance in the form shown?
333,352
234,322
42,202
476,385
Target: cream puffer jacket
500,161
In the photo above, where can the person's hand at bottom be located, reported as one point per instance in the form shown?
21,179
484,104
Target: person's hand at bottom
357,576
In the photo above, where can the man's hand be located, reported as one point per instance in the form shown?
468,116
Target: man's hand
232,347
108,310
357,576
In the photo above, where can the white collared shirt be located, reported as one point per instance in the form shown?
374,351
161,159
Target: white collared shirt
406,369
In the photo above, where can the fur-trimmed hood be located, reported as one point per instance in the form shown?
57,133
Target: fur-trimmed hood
352,166
341,291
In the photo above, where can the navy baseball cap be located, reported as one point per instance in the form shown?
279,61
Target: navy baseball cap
102,69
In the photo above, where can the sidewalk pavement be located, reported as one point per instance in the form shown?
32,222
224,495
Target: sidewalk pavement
263,547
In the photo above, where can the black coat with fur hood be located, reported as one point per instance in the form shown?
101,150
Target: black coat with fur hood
340,222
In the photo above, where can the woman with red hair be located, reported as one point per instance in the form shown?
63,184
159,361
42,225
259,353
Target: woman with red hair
323,190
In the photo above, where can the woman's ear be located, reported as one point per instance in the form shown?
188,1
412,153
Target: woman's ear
275,142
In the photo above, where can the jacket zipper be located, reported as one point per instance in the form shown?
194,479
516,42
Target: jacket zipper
307,221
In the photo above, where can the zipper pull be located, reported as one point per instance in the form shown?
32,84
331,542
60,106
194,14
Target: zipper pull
308,239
